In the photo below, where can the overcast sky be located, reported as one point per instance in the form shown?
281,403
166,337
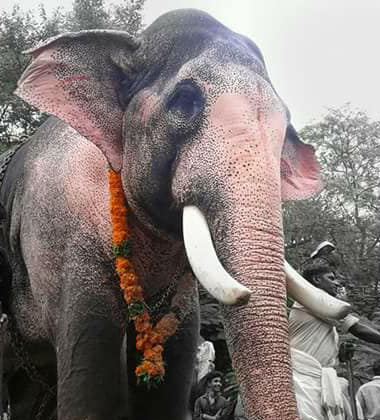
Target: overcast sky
319,53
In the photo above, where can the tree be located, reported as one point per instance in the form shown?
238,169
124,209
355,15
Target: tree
92,14
20,30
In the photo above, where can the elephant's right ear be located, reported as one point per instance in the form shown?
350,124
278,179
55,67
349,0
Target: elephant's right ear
76,77
300,174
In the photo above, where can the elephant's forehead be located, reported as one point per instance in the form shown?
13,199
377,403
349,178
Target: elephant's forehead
189,27
213,59
181,38
215,76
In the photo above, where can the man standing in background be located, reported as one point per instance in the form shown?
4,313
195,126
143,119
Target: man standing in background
314,346
368,397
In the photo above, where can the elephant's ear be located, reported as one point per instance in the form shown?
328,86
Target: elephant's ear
76,77
300,175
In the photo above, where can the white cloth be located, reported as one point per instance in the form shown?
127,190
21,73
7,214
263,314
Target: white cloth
368,400
205,358
316,337
318,391
239,410
346,398
314,350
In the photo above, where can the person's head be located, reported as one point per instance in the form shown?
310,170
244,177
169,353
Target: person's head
214,381
323,277
376,368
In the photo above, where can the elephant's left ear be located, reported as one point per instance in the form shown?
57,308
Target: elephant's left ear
300,175
77,77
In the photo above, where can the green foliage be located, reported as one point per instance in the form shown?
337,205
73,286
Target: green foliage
126,15
231,387
18,31
123,250
87,14
21,30
92,14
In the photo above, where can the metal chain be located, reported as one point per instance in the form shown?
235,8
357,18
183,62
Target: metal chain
49,394
6,158
26,363
163,298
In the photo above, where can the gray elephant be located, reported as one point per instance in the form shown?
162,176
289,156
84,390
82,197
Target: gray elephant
188,116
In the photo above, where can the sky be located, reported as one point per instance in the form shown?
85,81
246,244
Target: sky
320,54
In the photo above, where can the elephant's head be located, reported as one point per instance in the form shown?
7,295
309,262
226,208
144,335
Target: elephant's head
189,115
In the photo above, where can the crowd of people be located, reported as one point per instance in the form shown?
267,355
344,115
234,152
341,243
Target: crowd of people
321,394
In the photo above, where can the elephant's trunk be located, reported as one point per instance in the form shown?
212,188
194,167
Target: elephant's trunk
243,142
257,334
248,237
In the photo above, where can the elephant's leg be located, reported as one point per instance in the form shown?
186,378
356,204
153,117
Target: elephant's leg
30,379
88,361
30,399
170,400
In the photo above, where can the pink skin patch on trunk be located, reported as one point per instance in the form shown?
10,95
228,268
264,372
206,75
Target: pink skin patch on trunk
255,130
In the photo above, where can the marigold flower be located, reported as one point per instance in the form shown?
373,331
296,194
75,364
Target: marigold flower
153,355
167,326
158,349
142,323
128,279
149,340
142,341
118,237
143,317
155,337
132,293
122,265
152,369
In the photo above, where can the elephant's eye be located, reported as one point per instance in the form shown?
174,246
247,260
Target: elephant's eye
186,100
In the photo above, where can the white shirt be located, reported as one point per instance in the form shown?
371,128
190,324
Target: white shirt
315,336
368,400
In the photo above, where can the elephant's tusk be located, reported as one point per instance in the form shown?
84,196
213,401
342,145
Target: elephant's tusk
315,300
205,263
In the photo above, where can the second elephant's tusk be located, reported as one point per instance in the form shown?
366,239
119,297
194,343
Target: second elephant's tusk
317,301
205,263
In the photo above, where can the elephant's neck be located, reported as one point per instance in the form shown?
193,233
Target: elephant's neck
158,262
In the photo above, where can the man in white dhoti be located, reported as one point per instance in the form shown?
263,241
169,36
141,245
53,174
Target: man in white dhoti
368,397
314,350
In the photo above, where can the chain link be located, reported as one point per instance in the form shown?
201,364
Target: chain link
163,298
26,363
6,158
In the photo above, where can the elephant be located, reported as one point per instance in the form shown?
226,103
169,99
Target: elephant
187,116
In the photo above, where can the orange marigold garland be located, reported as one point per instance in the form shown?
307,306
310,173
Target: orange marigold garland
149,339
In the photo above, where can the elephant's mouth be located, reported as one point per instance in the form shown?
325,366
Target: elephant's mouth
211,274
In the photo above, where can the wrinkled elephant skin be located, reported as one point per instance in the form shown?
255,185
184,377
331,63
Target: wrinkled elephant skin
188,114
